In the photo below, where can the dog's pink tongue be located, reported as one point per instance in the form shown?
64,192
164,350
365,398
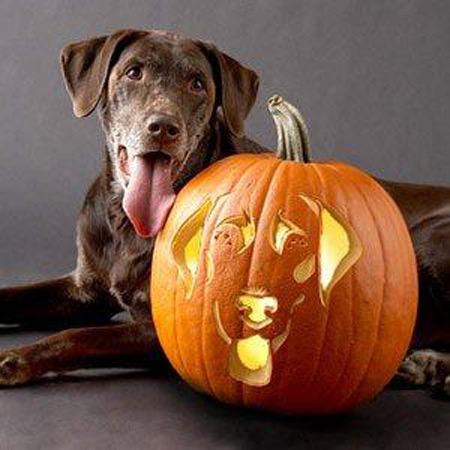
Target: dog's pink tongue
149,195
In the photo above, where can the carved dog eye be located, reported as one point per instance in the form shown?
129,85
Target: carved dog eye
286,235
296,240
134,73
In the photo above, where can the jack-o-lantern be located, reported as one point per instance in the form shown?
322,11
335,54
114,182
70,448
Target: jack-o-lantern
285,285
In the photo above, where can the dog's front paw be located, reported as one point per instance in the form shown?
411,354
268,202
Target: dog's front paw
418,369
14,369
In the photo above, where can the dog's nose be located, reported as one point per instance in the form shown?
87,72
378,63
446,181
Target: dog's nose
163,127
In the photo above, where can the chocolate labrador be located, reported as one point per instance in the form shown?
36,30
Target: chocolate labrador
169,107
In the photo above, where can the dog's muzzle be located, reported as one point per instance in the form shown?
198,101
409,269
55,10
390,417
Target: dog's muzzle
255,308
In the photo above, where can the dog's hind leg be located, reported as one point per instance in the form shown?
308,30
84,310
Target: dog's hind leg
56,303
129,345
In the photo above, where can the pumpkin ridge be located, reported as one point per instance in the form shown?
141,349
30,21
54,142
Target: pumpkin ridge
175,329
380,309
317,194
313,376
174,294
332,388
203,345
388,203
292,172
204,306
353,327
251,262
402,227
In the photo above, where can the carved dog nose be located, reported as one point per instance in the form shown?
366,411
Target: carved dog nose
163,127
255,309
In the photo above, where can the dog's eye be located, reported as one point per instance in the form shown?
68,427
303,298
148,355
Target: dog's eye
196,85
134,73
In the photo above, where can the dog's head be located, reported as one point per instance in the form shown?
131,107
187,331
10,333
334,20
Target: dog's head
290,258
157,94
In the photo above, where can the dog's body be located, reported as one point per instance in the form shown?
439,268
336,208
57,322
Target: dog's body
158,96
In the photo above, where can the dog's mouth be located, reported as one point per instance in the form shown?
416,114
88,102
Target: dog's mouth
124,165
149,194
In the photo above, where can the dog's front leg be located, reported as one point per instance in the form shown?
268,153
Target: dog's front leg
130,345
425,368
56,303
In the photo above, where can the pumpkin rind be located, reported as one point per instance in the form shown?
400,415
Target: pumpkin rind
285,286
338,354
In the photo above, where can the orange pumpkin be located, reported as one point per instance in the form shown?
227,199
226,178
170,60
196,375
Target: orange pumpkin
284,285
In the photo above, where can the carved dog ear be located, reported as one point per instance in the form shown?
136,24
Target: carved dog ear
86,65
237,87
339,246
186,245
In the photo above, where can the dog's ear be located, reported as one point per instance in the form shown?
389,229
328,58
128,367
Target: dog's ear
237,87
86,65
339,246
187,243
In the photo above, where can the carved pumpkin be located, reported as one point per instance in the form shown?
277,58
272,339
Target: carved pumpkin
285,285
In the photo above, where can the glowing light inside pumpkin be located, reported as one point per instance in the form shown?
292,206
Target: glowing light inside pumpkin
281,229
246,228
248,231
186,245
281,234
192,251
339,246
253,352
334,246
339,249
257,307
250,358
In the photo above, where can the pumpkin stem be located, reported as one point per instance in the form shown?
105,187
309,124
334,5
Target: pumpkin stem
293,137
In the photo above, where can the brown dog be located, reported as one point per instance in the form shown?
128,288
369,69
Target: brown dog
158,96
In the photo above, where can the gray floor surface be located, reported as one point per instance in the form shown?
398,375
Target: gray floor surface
117,409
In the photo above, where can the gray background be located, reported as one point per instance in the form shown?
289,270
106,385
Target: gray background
373,80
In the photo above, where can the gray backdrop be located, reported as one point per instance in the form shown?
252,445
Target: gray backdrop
371,77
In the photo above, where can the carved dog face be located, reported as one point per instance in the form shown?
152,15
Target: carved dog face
316,247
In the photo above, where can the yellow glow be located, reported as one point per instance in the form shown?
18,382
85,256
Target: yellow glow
281,234
339,247
192,251
246,227
248,231
281,229
257,306
253,352
186,245
334,246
